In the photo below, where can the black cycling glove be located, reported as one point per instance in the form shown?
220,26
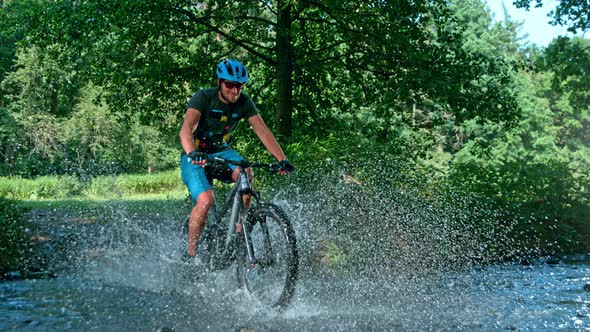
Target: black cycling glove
286,166
197,156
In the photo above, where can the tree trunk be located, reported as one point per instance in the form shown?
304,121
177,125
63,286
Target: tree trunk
284,112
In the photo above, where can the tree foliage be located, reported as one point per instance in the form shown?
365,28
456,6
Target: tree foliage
93,87
575,13
155,53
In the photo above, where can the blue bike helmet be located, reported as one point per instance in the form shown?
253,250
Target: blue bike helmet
232,70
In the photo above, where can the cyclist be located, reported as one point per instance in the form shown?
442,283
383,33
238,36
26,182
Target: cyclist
211,116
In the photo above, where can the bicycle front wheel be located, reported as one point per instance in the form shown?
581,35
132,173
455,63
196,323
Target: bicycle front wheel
269,270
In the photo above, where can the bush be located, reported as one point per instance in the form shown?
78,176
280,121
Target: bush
101,186
149,183
42,187
57,187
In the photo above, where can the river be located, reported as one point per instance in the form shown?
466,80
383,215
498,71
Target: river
123,275
538,297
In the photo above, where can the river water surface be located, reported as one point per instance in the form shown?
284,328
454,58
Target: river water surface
540,297
123,275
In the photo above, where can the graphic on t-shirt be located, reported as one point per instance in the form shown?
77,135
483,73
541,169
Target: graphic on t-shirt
218,120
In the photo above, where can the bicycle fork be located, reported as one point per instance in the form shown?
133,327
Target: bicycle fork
238,214
247,241
267,250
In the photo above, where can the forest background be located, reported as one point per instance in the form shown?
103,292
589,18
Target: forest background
432,97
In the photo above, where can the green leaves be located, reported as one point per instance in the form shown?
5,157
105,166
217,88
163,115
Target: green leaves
574,13
569,60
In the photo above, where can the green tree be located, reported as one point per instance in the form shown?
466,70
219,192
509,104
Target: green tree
159,49
485,76
8,140
93,133
34,107
569,61
11,33
507,164
567,64
390,71
575,13
36,84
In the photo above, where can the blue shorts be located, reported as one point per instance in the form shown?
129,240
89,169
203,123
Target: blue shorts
194,176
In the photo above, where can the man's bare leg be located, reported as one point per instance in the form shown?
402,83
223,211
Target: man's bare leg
198,220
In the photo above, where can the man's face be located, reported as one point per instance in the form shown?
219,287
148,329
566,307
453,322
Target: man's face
231,90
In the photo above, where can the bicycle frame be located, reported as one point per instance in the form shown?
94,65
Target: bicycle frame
234,198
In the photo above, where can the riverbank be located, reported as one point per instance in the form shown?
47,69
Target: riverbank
41,238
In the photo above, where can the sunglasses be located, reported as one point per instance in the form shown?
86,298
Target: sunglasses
231,85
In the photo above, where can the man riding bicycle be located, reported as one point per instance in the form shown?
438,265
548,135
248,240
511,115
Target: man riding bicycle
211,116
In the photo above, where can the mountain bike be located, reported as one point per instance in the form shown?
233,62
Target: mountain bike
259,239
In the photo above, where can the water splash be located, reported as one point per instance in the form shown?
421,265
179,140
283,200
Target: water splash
373,258
377,252
379,225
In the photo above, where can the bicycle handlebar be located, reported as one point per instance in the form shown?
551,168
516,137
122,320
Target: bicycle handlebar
270,167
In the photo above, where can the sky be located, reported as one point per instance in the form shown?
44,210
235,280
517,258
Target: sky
536,22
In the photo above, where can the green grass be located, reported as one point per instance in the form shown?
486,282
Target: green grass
101,197
104,209
100,187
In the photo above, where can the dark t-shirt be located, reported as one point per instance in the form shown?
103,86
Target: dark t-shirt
218,120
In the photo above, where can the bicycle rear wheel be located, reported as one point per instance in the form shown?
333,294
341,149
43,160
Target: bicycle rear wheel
270,272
